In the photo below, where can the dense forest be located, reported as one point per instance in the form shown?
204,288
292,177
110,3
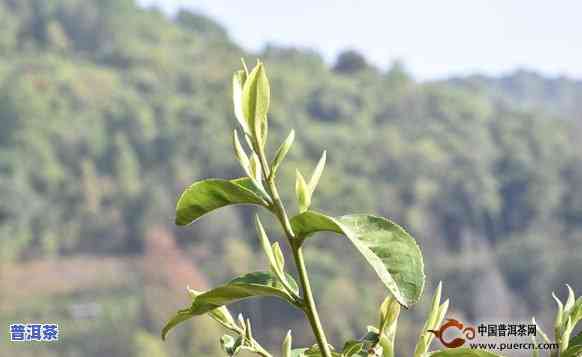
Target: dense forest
108,110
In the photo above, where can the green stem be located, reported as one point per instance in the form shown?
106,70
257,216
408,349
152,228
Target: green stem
310,308
261,351
279,210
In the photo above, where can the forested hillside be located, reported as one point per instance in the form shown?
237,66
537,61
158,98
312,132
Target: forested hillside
107,111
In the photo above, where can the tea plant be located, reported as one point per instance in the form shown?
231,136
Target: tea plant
390,251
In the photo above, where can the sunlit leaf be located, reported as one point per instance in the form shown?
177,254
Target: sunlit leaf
317,172
302,192
286,347
205,196
256,284
231,345
255,98
240,154
221,314
181,316
247,286
388,248
572,351
282,152
238,80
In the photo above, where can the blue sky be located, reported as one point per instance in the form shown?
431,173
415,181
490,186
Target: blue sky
434,39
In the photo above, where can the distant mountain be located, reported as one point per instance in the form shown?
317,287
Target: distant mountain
529,90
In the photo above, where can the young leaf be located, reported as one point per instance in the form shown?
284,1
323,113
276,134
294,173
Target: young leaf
248,330
245,68
279,257
314,351
352,347
274,261
255,102
435,316
247,286
571,299
221,314
240,154
298,352
238,80
576,311
282,152
566,334
256,284
558,324
286,348
572,351
230,345
256,171
577,340
242,323
302,192
389,311
541,332
205,196
181,316
387,247
441,316
317,174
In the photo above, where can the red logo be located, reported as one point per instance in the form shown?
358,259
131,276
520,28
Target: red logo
468,333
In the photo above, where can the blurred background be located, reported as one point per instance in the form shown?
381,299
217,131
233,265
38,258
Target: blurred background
461,123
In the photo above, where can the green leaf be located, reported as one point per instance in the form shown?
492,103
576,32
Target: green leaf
221,315
230,345
256,171
264,240
238,80
314,180
302,192
248,330
282,152
205,196
462,352
273,253
434,319
576,340
286,348
250,285
389,312
576,311
570,301
566,333
314,351
240,153
279,257
572,351
255,100
388,248
247,286
181,316
558,324
352,347
540,331
298,352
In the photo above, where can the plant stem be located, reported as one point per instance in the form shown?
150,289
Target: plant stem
279,210
310,308
261,351
309,302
